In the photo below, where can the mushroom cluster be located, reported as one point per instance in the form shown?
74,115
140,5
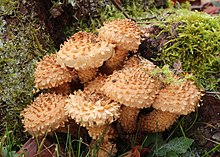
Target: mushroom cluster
115,87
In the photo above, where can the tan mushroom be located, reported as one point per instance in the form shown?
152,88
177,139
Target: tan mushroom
125,34
91,111
45,114
49,73
181,98
157,121
135,89
85,53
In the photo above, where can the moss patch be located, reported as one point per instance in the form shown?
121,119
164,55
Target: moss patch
195,43
21,35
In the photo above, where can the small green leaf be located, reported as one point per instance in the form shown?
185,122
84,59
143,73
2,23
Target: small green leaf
178,145
171,154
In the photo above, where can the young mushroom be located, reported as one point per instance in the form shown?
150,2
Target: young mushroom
91,109
46,114
125,34
85,53
135,89
49,73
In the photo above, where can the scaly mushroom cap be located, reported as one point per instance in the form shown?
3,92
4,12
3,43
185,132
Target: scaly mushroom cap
139,61
45,114
157,121
179,99
83,51
132,87
95,85
90,110
122,32
49,73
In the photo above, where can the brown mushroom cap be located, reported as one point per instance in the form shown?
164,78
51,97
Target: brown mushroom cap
157,121
49,73
45,114
122,32
83,51
179,99
90,110
132,87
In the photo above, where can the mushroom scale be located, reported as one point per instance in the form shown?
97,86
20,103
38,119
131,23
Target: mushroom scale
128,119
49,73
179,99
157,121
45,114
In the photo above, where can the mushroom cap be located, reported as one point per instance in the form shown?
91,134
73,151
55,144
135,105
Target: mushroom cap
157,121
179,99
132,87
91,110
122,32
139,61
84,51
45,114
49,73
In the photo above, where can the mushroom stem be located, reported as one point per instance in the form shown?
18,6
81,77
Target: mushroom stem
87,75
96,131
157,121
116,61
104,134
128,119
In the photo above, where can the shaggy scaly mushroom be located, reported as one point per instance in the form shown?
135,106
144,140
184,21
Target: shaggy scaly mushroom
91,108
45,114
135,89
85,53
181,98
49,73
125,34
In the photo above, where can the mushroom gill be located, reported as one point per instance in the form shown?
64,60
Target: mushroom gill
45,114
49,73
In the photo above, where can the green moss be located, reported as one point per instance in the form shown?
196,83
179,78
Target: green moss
20,48
193,39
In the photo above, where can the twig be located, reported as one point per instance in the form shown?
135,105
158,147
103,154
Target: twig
120,9
207,92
